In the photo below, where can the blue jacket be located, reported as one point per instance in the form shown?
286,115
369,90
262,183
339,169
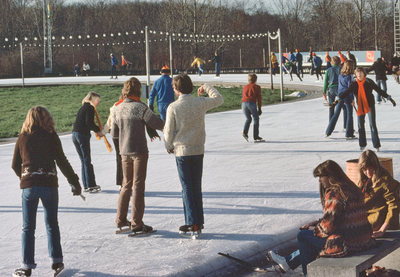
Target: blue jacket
114,60
344,83
162,88
292,58
331,77
284,59
317,61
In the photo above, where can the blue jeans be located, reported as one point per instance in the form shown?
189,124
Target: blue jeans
250,109
200,69
374,130
30,201
217,68
113,70
82,145
348,110
190,170
328,65
162,110
333,92
309,248
382,85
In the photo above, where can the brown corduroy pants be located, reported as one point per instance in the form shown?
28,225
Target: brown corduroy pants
134,168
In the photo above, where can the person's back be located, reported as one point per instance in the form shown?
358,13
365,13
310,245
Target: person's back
317,61
344,82
333,75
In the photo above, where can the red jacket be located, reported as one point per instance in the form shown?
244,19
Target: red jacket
252,93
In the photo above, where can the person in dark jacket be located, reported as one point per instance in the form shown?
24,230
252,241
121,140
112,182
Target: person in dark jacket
114,65
380,76
37,151
299,58
317,62
218,60
362,89
84,123
395,62
353,58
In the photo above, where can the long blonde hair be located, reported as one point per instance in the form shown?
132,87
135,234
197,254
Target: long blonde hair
368,159
338,181
38,118
90,97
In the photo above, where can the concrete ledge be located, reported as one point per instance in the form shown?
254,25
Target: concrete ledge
354,264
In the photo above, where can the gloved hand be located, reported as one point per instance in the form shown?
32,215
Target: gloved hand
76,189
151,108
259,112
393,102
334,104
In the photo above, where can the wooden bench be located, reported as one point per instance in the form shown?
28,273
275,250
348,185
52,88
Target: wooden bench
353,265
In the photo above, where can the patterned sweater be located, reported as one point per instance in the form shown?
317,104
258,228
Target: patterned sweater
128,125
345,225
35,158
185,129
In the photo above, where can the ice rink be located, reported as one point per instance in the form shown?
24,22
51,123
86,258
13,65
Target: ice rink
256,195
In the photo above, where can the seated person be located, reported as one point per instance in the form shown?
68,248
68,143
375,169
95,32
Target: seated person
343,229
381,194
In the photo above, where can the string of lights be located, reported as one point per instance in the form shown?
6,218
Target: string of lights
92,40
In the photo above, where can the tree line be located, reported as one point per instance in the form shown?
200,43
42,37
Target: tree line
317,25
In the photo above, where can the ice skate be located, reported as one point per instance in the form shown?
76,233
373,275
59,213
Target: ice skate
145,229
246,137
22,272
377,149
57,267
279,260
191,231
362,148
127,228
258,139
350,138
94,189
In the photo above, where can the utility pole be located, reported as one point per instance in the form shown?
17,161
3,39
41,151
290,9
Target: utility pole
47,51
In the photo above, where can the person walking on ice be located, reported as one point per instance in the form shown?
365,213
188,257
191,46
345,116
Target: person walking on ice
218,60
252,97
184,135
162,89
114,65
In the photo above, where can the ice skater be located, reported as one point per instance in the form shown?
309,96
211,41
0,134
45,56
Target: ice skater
184,135
200,63
252,97
343,229
218,60
317,63
129,121
362,89
37,152
114,65
162,89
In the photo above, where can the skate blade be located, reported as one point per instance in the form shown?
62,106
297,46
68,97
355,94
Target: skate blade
94,190
192,235
258,141
141,233
122,230
58,271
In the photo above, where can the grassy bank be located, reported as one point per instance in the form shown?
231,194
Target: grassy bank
64,101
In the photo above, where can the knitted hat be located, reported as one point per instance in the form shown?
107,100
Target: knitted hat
111,54
338,52
313,54
165,69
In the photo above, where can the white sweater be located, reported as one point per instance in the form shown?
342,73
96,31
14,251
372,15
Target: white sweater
184,130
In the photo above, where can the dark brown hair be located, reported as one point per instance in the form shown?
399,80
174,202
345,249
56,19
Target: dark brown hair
338,181
183,84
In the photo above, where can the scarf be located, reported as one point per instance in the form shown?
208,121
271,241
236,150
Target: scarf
109,148
362,101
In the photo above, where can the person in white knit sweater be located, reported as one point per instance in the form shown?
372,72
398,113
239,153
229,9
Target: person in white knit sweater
184,134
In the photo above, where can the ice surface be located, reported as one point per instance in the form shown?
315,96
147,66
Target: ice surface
256,195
